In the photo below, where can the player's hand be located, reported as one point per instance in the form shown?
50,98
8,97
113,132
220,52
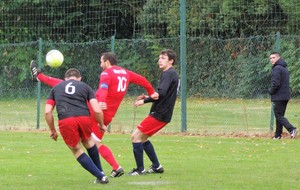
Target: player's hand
102,105
103,128
141,97
54,135
139,102
155,96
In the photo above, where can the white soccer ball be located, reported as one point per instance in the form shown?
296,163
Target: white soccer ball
54,58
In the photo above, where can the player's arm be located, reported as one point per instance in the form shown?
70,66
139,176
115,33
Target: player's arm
141,81
49,118
143,99
102,90
98,114
163,87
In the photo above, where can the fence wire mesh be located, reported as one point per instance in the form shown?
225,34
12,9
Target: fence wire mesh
227,81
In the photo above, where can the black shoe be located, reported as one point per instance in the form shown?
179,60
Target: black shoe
117,173
135,172
294,133
159,169
34,70
276,137
103,180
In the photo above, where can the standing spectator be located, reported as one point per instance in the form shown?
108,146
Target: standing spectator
70,98
160,114
280,95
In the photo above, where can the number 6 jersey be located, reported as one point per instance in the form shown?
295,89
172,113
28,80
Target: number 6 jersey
70,98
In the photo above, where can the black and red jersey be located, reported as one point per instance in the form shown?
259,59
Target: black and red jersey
70,98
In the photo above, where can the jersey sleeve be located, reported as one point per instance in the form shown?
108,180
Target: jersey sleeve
50,100
141,81
102,90
91,93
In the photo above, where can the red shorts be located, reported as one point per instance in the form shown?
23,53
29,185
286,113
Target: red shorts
74,129
95,127
149,126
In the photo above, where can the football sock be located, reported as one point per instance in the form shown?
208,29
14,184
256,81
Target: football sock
108,156
50,81
149,149
138,155
88,164
94,155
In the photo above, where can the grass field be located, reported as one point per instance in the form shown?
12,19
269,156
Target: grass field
204,116
31,160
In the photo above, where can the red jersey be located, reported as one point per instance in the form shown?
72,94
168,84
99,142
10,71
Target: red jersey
113,86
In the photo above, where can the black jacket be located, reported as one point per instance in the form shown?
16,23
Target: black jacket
280,88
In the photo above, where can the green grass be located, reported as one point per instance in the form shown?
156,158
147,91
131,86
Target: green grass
31,160
204,116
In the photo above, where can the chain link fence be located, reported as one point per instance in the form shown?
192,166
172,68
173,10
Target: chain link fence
227,81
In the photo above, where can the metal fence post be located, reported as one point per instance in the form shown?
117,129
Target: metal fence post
183,63
277,48
39,85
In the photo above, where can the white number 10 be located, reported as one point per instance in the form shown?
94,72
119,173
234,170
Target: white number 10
122,84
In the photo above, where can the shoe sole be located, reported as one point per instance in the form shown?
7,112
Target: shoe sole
294,134
118,175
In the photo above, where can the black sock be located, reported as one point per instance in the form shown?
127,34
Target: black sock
88,164
94,155
138,155
149,149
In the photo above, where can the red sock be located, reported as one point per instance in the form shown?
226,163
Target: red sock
108,156
48,80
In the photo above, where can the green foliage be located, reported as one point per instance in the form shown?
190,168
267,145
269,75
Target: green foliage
237,68
228,68
290,53
82,21
222,19
12,65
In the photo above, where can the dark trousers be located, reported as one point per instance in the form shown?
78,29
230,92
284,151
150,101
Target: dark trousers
281,121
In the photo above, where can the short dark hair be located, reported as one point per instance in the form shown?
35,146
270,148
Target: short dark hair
72,73
111,57
170,53
275,52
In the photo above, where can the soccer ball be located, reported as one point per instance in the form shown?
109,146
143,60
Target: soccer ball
54,58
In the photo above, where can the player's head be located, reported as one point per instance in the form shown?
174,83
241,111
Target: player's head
108,59
274,57
72,74
166,59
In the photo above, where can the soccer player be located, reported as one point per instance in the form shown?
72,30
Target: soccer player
160,114
113,85
70,98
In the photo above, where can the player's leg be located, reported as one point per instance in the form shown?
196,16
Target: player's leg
86,162
50,81
155,167
105,151
137,145
71,136
148,127
39,76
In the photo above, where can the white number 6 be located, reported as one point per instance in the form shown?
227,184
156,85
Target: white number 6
70,89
